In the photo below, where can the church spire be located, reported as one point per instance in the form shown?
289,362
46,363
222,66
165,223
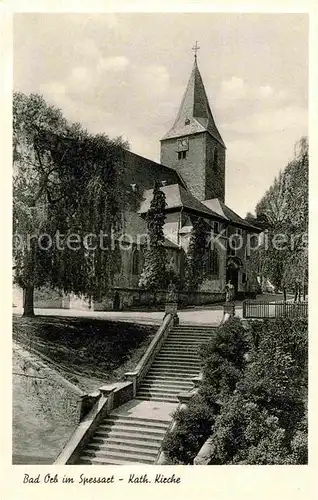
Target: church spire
194,114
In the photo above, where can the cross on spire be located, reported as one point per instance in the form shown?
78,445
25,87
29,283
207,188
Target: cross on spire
195,49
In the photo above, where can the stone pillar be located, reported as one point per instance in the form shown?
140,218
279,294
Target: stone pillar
229,308
108,392
172,308
197,381
87,403
132,376
228,311
205,454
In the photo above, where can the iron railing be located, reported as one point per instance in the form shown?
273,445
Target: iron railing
275,309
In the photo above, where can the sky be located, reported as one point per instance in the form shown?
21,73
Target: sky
125,74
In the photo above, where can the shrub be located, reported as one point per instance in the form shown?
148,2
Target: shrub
223,359
253,395
193,428
246,434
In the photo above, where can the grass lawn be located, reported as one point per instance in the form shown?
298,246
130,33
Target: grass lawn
84,350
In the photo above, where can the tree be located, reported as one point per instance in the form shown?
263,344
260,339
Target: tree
196,256
283,211
154,272
66,182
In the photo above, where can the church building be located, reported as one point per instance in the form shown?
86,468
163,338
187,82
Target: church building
192,173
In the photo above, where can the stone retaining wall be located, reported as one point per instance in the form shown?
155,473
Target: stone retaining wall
48,405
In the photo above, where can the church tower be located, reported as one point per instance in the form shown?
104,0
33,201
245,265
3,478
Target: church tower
193,146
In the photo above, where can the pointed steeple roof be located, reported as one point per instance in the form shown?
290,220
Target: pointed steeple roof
194,114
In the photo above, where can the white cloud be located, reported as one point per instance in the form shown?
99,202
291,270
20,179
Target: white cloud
118,63
233,88
88,48
265,91
152,80
236,88
53,88
79,80
289,117
80,73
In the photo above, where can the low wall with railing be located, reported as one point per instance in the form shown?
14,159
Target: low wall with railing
95,408
274,309
144,364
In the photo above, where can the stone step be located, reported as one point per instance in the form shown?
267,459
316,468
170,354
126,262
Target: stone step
151,425
186,338
180,353
184,345
183,357
146,392
199,333
85,460
131,435
170,374
168,378
106,430
190,333
175,369
164,399
147,421
164,387
100,456
198,326
182,361
154,389
176,364
155,445
176,385
176,361
123,449
185,351
188,329
161,385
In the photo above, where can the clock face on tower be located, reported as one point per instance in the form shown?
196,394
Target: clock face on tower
183,144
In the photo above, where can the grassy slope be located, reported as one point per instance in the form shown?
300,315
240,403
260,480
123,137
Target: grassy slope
87,352
84,350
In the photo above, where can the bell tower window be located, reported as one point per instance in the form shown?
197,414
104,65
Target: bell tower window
216,159
182,155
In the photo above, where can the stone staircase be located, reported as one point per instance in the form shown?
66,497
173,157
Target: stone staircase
175,365
133,433
123,439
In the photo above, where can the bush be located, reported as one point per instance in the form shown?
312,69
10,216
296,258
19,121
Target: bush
224,359
193,428
253,395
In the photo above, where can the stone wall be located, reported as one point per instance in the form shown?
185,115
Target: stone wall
46,407
192,168
215,170
135,297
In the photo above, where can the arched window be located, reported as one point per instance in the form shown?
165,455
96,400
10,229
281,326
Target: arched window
137,262
212,264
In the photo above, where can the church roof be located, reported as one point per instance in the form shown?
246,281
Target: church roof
138,240
144,172
220,208
178,197
194,114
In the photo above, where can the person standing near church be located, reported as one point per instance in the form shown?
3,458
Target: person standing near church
229,292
